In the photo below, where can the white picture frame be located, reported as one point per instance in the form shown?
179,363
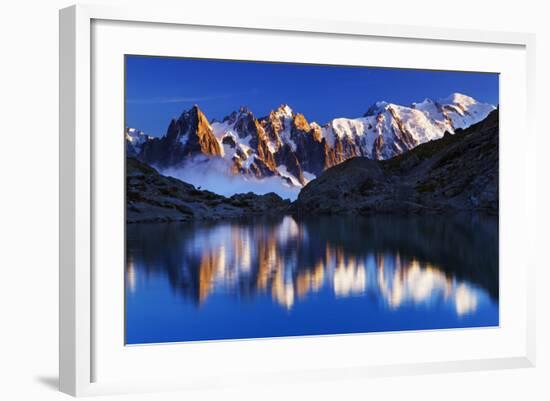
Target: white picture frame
77,370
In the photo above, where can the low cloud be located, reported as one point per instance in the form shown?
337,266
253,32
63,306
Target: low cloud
213,175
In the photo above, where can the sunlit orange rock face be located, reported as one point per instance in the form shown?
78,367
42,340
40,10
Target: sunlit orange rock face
201,139
301,123
269,261
212,263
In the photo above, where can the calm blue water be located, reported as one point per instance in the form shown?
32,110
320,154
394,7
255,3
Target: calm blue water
328,275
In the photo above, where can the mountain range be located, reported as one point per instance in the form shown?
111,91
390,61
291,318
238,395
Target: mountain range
287,149
456,173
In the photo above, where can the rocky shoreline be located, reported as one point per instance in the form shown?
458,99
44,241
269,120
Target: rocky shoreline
152,197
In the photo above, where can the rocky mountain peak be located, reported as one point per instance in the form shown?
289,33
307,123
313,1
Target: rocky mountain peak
135,139
235,115
201,138
191,134
244,110
246,124
284,110
231,118
189,113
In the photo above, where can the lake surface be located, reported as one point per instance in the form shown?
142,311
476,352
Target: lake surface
270,277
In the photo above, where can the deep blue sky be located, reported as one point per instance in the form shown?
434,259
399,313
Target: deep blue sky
160,88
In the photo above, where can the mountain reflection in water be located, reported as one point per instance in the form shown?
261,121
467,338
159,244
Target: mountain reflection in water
325,275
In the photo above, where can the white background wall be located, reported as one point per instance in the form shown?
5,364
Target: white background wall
29,186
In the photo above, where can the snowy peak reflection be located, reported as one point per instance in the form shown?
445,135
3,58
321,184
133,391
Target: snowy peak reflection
288,260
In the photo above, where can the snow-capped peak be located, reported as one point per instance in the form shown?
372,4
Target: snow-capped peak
135,140
458,98
136,136
423,104
284,110
377,107
315,125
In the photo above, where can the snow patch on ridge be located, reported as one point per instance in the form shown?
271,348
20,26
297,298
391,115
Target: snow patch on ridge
135,139
285,173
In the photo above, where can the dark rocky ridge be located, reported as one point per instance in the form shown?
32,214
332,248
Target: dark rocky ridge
152,197
455,173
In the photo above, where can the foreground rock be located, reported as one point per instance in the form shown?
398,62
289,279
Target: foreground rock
456,172
152,197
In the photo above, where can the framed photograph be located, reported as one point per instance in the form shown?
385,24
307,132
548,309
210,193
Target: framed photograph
290,200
